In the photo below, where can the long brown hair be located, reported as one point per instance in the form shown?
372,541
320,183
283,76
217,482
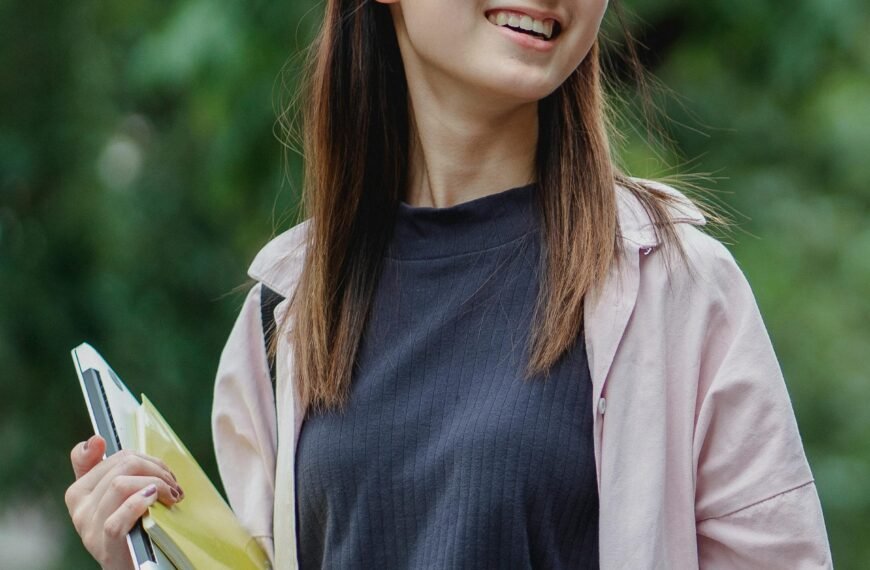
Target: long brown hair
357,135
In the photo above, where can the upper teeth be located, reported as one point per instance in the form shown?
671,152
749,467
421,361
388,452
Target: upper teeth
522,21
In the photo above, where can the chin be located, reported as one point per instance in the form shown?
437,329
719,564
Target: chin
523,89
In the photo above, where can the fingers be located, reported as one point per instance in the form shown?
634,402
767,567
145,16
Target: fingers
125,485
87,454
122,487
128,463
119,523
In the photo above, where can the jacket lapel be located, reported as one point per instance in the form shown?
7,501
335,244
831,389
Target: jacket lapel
608,310
605,320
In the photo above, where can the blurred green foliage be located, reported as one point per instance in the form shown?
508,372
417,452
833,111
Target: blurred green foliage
140,171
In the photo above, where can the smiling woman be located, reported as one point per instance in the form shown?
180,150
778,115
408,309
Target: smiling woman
492,348
474,52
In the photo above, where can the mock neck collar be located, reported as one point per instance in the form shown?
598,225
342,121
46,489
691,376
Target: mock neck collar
423,232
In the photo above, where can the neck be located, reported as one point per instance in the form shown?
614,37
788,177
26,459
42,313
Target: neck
466,147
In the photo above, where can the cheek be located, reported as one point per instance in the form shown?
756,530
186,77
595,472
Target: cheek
588,24
592,10
436,38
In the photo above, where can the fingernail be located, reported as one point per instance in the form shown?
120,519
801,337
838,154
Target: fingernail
174,493
181,492
87,441
149,490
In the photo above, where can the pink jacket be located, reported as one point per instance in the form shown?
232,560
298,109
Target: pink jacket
698,455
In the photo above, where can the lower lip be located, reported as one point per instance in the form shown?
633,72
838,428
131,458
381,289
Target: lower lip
526,40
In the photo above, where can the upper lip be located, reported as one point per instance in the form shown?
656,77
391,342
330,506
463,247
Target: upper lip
533,12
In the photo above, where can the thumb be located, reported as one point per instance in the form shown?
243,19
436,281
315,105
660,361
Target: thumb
87,454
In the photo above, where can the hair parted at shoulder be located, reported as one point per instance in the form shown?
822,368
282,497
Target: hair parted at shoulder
356,133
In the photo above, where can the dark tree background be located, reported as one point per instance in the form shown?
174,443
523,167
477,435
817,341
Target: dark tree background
140,170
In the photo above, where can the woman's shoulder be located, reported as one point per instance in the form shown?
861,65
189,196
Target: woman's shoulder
707,261
278,264
635,221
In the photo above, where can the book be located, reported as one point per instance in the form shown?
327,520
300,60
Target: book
199,533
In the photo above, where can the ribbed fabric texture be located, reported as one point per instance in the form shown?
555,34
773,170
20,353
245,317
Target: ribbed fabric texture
445,457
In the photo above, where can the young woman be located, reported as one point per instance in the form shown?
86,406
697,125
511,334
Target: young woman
494,349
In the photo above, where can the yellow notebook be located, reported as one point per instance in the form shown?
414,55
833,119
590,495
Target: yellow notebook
200,532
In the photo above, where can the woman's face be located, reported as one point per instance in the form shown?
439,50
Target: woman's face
470,44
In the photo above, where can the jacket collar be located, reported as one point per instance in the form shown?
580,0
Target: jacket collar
279,264
635,225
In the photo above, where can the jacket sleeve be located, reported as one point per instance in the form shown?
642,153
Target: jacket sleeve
756,502
243,424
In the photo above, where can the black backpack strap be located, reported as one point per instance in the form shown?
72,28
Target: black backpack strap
269,299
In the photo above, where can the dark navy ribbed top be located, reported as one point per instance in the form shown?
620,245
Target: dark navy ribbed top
445,457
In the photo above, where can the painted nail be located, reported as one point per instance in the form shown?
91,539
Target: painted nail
174,493
149,490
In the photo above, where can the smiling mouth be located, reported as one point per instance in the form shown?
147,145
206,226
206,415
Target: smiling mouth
546,30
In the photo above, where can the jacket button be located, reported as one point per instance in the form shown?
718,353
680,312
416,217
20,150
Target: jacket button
602,405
